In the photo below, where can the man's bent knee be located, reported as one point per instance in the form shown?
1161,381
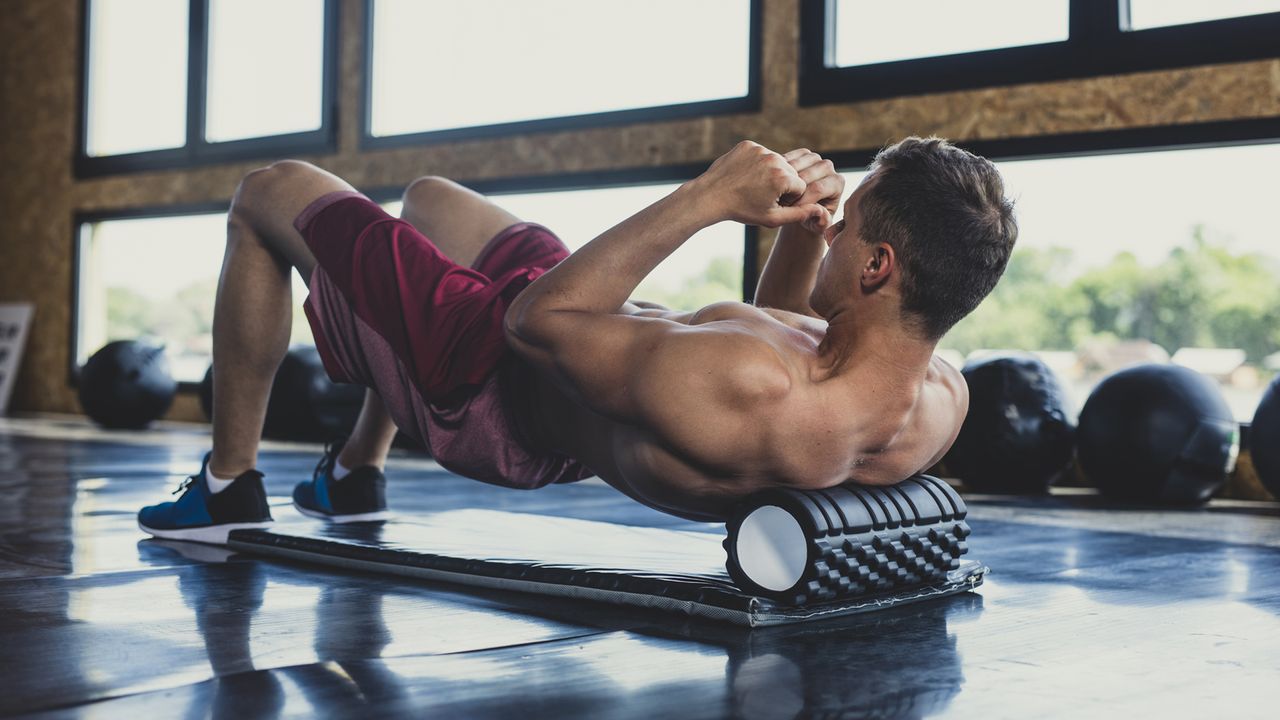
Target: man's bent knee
430,191
260,183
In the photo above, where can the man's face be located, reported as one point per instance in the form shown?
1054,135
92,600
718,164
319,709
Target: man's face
837,276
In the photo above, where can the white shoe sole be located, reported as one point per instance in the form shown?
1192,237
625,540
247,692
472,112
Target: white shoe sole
357,517
212,534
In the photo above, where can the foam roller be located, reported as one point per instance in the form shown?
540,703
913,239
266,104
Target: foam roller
809,546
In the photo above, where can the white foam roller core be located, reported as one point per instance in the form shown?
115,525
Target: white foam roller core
772,549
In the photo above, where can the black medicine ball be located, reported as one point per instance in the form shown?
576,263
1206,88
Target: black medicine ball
1157,434
304,404
206,393
1264,438
1019,434
127,385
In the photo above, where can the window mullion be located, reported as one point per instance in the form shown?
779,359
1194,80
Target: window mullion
1095,23
1123,16
197,75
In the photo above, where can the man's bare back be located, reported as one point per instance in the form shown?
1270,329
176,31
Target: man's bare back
690,411
778,418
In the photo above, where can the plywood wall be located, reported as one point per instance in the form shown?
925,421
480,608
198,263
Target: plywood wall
38,194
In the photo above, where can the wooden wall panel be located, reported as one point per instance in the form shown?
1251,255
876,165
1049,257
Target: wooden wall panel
39,84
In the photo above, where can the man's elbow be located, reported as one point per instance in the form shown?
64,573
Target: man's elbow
513,322
530,325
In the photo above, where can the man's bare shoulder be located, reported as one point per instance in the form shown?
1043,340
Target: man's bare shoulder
950,381
719,363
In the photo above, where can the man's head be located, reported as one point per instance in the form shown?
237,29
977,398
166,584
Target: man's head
930,221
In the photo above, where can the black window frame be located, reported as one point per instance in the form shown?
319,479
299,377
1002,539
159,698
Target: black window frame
197,151
749,103
1098,44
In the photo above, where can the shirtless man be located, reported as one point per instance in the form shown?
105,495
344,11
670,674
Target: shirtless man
519,364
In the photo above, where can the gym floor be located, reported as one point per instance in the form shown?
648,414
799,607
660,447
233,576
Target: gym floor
1089,611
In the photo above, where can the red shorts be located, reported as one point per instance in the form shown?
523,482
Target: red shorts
391,312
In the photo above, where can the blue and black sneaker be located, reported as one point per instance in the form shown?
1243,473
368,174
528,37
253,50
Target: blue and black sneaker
360,496
206,517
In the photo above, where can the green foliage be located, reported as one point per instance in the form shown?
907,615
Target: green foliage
1202,294
185,322
720,281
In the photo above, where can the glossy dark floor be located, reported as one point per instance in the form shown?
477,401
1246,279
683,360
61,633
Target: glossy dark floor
1089,612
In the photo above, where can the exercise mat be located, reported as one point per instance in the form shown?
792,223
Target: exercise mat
673,570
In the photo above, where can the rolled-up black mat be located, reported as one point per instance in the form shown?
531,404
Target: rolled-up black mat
801,547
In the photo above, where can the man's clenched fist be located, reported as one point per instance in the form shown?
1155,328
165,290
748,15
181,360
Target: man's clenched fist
756,186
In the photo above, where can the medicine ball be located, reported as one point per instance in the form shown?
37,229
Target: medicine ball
1020,431
127,385
1264,438
1158,434
206,393
305,404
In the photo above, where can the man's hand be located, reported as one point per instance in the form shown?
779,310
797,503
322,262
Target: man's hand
823,186
756,186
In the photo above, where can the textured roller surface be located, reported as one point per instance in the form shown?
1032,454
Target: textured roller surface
861,540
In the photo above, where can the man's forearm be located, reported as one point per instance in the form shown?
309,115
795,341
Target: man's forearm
788,275
601,276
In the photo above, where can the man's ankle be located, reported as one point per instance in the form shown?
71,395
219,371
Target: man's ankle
353,459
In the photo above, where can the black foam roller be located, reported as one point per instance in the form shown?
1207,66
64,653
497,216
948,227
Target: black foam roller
810,546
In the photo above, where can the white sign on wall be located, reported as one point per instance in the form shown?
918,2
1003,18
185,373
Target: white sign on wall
15,320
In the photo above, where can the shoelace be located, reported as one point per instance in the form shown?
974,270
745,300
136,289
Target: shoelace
331,450
182,486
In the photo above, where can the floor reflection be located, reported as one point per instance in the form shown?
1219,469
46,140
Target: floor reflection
349,628
1089,611
899,664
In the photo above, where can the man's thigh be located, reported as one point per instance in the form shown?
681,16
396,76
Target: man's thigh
456,219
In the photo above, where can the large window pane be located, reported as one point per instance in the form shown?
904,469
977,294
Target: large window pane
266,68
157,277
137,76
876,31
441,64
1145,14
1161,256
706,269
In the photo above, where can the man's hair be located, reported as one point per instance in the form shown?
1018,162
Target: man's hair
943,211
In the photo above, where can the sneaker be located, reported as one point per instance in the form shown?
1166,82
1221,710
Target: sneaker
205,517
361,496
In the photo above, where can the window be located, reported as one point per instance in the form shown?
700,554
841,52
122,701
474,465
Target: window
454,69
874,31
265,63
706,269
156,277
171,83
1145,14
130,70
1150,256
858,49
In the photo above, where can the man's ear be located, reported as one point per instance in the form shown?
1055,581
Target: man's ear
879,267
